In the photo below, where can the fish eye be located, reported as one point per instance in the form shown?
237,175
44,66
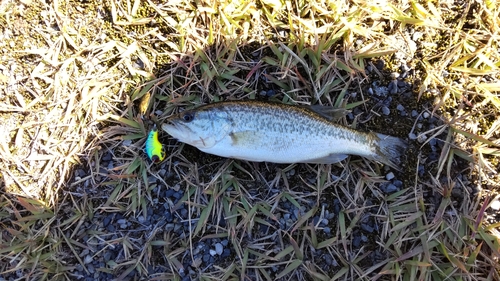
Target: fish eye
187,117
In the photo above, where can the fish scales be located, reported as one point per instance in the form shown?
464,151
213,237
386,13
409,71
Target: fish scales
286,120
263,131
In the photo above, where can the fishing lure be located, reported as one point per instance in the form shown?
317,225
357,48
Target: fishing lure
154,149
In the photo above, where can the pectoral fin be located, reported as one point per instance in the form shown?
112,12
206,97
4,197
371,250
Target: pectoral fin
244,138
329,159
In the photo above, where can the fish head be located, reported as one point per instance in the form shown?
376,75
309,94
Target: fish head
199,128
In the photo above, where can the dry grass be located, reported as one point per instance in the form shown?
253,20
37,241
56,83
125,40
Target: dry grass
72,80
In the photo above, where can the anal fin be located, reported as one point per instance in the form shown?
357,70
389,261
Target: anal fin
329,159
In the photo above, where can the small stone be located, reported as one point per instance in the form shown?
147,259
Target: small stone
111,228
88,259
390,188
426,115
107,157
421,138
412,136
393,87
367,228
169,193
381,91
106,221
403,84
404,67
434,91
421,170
79,267
107,256
315,220
398,183
380,64
177,227
178,195
457,192
417,35
226,253
184,213
206,258
212,252
84,252
197,262
330,216
400,107
91,268
495,205
389,176
386,110
162,172
219,248
80,172
356,242
327,230
414,113
152,179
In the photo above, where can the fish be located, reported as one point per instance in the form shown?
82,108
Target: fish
273,132
154,149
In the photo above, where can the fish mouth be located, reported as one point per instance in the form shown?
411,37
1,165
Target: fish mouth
175,129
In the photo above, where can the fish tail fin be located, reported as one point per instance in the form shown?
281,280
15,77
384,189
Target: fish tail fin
390,150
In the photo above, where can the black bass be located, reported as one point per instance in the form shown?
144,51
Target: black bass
279,133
